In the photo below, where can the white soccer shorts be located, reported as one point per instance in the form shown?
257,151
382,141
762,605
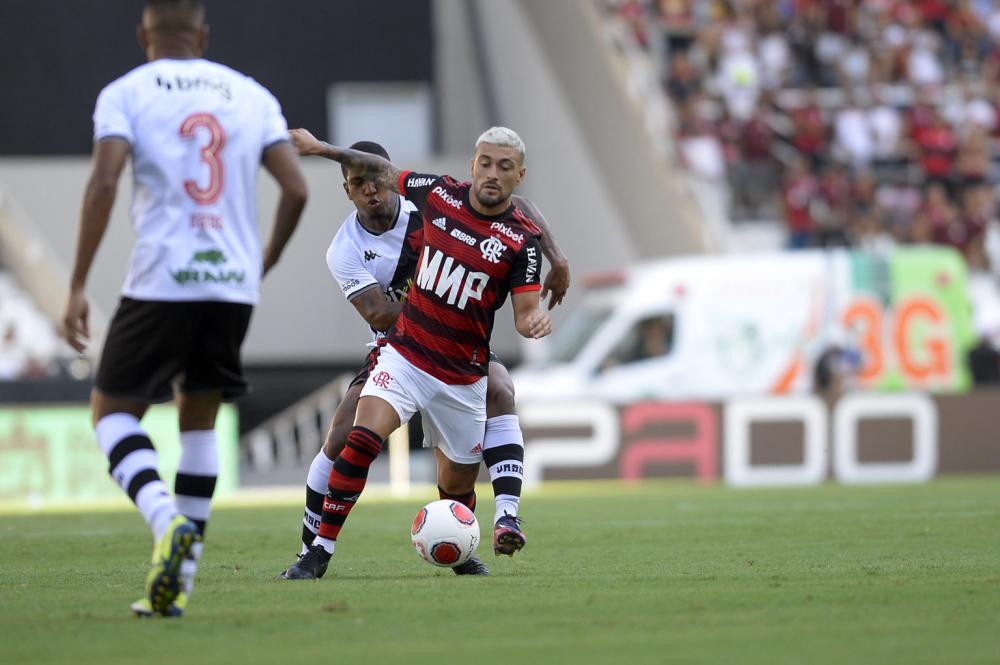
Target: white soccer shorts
454,416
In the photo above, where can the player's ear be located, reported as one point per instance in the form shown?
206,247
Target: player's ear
520,175
142,37
203,38
347,190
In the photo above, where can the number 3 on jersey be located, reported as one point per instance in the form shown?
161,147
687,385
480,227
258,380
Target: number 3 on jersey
210,155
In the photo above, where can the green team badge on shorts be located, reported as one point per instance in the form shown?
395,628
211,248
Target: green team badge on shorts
203,268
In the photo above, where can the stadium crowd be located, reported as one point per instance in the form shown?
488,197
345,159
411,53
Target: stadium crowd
859,122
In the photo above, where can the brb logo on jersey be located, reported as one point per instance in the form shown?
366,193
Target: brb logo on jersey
492,248
449,279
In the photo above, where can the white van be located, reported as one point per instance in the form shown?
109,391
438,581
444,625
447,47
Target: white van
721,326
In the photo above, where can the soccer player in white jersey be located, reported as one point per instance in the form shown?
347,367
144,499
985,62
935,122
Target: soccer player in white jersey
197,132
373,257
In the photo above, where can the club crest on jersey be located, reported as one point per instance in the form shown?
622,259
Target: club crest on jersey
449,279
382,379
492,248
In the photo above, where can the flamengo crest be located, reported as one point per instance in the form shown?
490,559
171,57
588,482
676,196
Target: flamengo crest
492,248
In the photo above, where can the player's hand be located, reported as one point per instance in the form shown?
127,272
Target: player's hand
76,330
305,142
539,324
556,284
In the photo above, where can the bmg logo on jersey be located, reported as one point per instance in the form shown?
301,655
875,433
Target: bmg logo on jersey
449,279
492,248
447,198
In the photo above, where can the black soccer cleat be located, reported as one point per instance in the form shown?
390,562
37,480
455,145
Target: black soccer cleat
507,535
310,566
474,566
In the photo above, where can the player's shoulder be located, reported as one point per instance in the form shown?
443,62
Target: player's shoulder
345,240
525,221
238,77
128,80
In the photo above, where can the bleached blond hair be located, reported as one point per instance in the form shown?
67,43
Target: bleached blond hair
502,136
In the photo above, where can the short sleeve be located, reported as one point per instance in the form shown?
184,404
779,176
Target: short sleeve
346,267
416,187
526,271
111,116
275,126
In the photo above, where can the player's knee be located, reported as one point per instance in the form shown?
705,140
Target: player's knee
336,439
458,479
500,398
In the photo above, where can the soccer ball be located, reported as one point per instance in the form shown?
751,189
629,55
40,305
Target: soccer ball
445,533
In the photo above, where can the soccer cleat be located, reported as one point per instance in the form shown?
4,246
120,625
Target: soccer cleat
163,584
142,608
474,566
310,566
507,535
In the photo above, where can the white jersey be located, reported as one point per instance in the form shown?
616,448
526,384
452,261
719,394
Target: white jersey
197,130
360,260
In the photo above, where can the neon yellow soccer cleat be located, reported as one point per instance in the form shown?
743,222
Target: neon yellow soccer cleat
163,584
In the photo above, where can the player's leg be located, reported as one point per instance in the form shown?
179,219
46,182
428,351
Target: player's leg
318,478
387,400
197,472
319,470
376,419
503,453
457,481
213,373
139,359
457,419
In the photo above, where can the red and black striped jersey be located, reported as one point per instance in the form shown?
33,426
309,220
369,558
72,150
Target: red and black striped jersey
467,265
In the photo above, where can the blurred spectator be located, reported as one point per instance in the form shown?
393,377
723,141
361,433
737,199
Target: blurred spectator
799,190
809,135
937,145
854,139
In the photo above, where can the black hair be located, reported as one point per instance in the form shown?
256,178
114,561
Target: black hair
371,148
176,15
179,4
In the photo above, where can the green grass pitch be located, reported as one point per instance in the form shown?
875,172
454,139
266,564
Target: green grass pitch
661,572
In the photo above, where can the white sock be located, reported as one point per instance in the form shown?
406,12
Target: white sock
133,464
328,545
503,453
317,482
194,486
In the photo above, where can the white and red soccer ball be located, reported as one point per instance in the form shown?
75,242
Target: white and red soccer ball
445,533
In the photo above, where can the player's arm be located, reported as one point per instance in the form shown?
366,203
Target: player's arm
110,155
529,320
557,280
281,162
372,167
375,308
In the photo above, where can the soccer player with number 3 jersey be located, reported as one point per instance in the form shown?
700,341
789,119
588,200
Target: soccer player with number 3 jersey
197,133
477,248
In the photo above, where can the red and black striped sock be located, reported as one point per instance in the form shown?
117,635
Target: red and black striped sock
347,479
468,499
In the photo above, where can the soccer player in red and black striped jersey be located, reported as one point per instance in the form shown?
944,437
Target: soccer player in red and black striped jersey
477,248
